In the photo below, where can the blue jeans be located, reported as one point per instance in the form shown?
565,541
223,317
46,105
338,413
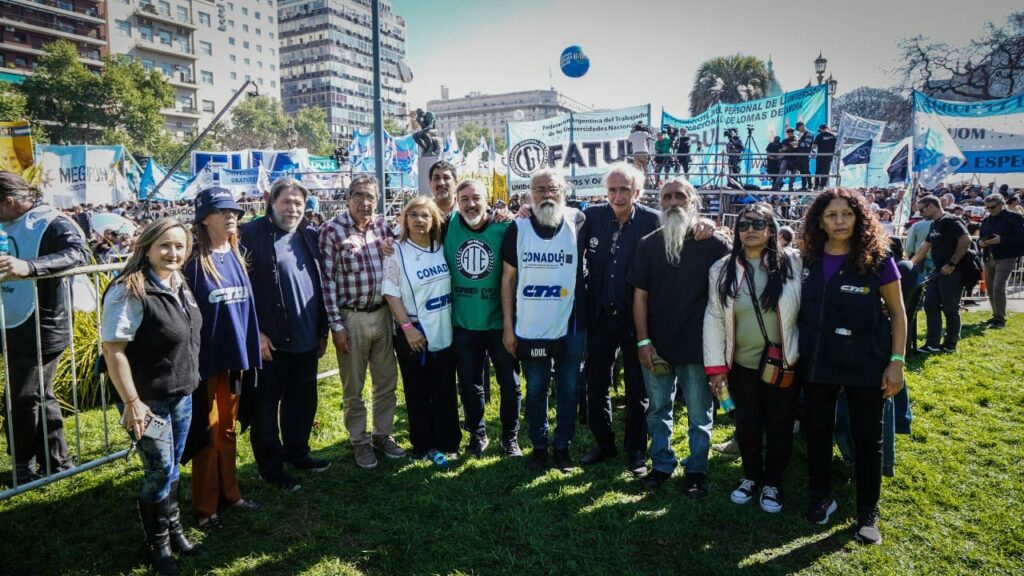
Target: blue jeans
567,374
661,390
161,456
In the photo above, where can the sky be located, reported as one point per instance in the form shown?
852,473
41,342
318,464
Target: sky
647,51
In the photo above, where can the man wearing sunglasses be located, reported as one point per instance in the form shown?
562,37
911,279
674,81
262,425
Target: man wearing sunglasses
1002,239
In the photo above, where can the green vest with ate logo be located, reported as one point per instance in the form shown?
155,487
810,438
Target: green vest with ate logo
474,258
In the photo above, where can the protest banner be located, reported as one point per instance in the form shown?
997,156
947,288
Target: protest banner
72,175
16,152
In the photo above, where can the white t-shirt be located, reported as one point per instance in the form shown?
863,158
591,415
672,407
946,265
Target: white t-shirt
122,312
421,279
639,141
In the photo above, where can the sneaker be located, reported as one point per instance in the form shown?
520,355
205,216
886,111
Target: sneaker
696,485
365,457
637,462
597,455
388,446
311,464
511,448
538,459
947,349
744,492
997,324
438,458
867,527
929,349
563,460
770,500
284,482
477,445
730,447
654,479
820,509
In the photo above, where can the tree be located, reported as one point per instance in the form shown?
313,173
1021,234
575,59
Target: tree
12,104
393,126
64,94
311,125
134,97
989,67
259,123
729,79
877,104
468,135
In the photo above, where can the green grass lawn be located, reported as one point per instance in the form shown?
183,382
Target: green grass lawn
954,506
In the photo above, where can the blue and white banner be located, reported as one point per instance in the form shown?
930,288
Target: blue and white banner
247,183
989,135
236,160
280,160
762,119
72,175
857,129
581,145
179,186
885,166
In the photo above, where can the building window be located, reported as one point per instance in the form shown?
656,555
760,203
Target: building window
245,11
259,32
124,27
183,14
208,106
233,58
248,78
165,37
270,19
259,48
164,8
234,76
147,63
231,6
259,64
206,76
231,24
273,83
273,68
247,62
271,34
257,15
245,28
204,19
205,48
260,81
231,40
245,44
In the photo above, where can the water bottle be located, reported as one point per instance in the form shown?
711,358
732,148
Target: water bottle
725,399
5,244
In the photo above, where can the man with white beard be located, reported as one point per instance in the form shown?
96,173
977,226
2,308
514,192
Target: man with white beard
670,276
543,317
284,268
442,176
471,247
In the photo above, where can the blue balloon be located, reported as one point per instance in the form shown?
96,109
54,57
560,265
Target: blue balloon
574,62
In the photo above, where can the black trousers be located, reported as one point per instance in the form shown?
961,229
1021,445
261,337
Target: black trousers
472,348
763,411
865,424
609,333
822,166
28,411
428,379
283,410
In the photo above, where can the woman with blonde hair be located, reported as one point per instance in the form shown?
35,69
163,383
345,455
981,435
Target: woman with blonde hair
417,287
230,345
150,334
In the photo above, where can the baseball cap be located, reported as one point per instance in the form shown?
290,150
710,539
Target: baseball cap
215,198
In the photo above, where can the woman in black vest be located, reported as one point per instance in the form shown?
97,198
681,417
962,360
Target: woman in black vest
853,334
150,332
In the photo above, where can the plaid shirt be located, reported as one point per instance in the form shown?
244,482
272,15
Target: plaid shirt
353,265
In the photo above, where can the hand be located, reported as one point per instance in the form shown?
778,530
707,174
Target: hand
704,229
417,341
502,215
892,379
322,347
266,348
947,269
387,247
646,354
525,211
11,267
993,240
508,338
716,382
135,418
341,343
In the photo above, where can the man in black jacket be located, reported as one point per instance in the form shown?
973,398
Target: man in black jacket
825,145
42,241
1002,238
283,254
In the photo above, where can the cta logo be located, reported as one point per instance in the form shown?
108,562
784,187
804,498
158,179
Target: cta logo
527,157
541,291
439,302
474,259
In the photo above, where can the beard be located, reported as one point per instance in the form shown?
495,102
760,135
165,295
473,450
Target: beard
475,220
284,224
676,224
549,213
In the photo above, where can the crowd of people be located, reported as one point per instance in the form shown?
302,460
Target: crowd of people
216,323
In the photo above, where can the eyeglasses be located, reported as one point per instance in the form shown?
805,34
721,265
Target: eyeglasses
744,225
991,206
547,189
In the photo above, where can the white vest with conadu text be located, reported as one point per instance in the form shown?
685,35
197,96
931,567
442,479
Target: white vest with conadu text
546,281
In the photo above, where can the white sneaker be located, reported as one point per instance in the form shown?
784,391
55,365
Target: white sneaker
770,501
744,492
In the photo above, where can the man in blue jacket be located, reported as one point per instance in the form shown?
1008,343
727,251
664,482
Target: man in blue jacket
283,254
1002,238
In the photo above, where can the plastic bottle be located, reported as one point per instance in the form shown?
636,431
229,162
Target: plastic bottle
725,399
5,244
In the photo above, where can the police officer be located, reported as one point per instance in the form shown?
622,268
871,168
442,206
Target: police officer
825,145
804,143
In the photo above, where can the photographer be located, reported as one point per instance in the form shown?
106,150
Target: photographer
733,150
639,141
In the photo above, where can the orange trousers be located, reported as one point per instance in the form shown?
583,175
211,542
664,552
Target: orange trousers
213,470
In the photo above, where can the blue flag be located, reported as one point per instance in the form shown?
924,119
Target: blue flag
860,155
898,166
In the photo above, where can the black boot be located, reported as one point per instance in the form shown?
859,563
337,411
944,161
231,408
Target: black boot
158,541
178,541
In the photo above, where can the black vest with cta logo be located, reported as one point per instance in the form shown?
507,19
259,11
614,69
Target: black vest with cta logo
844,336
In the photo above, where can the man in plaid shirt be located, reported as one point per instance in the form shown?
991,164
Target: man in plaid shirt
360,322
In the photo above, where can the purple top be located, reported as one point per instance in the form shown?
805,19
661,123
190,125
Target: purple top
888,273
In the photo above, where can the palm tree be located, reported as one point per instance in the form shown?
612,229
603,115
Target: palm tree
729,79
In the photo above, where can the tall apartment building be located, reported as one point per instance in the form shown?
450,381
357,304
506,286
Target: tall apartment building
26,25
327,61
493,110
205,48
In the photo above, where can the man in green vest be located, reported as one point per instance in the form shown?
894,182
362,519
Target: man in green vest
472,248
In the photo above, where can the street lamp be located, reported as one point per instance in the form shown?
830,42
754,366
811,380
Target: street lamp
819,67
832,83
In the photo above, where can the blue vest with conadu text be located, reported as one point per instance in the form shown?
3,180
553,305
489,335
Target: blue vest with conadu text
24,236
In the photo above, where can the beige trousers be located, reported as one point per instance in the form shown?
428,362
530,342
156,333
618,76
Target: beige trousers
369,335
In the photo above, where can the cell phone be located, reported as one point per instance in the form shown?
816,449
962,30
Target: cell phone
152,427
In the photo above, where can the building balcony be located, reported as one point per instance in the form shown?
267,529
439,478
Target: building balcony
57,29
61,8
180,79
182,112
165,49
91,59
148,11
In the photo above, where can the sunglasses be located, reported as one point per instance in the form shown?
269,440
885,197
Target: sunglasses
744,225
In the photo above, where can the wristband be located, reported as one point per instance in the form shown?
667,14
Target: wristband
407,325
897,357
132,400
643,343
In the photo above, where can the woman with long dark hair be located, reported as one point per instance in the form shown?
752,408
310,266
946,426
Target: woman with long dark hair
230,345
853,332
750,320
150,337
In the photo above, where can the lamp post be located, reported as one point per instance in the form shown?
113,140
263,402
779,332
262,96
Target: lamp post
819,67
832,83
